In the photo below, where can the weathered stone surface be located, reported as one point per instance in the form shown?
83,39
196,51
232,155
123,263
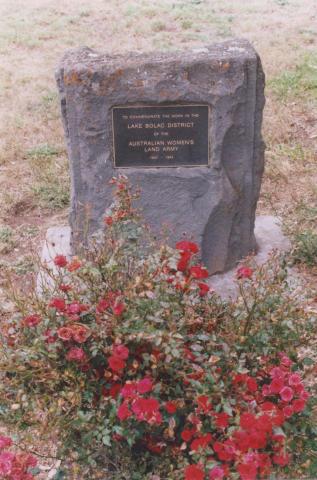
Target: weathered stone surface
269,236
215,205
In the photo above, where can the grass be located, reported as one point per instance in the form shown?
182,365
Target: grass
53,195
305,248
298,82
43,151
7,240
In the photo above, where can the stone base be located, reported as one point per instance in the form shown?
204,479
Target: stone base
268,233
269,236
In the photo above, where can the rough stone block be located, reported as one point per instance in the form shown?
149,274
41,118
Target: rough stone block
213,204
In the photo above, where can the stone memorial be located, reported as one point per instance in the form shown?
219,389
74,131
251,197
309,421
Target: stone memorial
184,126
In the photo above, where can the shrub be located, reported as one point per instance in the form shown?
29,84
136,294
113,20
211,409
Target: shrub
143,370
305,249
15,466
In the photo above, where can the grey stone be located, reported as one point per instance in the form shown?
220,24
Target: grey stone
269,236
215,205
57,242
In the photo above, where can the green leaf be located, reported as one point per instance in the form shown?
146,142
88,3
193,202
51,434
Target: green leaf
308,361
60,475
106,440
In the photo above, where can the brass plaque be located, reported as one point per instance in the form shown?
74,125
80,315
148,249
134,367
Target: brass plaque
160,136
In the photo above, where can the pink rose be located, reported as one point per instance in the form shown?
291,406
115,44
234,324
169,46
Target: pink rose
5,442
294,380
286,394
216,473
144,386
76,354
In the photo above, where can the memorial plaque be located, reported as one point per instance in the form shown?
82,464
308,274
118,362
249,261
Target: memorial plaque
160,136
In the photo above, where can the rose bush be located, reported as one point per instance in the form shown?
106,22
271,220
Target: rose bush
15,466
142,370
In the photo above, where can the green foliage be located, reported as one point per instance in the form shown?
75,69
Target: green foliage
6,233
297,82
51,183
305,248
54,195
7,241
44,150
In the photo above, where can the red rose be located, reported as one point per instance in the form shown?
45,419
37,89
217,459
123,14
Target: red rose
203,289
116,363
49,337
75,264
65,333
222,419
266,391
58,304
294,380
118,308
170,407
129,390
5,442
278,418
281,459
188,434
147,409
76,307
184,261
76,354
286,394
277,372
288,411
123,411
258,439
216,473
252,386
102,305
64,288
264,423
244,272
276,385
80,333
201,442
154,446
187,246
268,407
108,221
204,404
144,386
32,320
120,351
194,472
60,261
247,471
286,361
199,272
298,405
247,421
115,390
